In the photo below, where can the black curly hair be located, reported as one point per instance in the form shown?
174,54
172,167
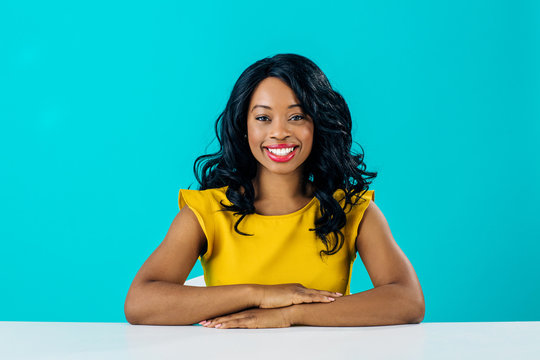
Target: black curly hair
330,165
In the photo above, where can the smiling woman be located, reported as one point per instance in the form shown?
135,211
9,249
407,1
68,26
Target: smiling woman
285,173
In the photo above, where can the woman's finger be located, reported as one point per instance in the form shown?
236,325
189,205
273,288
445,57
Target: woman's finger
220,324
244,323
210,322
220,319
316,295
214,322
329,293
321,295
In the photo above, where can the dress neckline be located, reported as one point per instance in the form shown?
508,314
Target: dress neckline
295,213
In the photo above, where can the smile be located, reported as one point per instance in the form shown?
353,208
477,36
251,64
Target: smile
281,155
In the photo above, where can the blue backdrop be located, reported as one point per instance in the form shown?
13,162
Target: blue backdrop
105,106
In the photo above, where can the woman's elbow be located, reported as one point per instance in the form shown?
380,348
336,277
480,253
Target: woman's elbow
413,306
417,304
130,314
417,315
132,311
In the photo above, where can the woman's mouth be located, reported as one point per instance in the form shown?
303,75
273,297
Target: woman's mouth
281,155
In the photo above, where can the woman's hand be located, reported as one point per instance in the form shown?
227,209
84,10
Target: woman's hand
251,319
280,295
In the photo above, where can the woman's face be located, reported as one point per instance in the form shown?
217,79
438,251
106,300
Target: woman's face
275,118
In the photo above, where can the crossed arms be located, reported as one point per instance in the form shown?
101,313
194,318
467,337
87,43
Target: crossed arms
157,295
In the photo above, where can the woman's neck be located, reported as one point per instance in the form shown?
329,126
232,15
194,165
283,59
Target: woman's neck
271,187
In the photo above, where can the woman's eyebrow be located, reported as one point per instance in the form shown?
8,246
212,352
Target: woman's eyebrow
268,107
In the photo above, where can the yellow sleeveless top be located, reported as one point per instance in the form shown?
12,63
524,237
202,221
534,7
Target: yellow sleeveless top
281,250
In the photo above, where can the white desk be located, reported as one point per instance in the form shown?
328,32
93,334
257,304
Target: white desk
54,340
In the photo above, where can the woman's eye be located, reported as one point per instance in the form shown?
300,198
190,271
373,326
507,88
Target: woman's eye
265,118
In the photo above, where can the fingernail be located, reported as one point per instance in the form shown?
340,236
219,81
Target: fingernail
339,293
218,325
329,298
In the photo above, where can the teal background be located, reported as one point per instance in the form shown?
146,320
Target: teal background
104,106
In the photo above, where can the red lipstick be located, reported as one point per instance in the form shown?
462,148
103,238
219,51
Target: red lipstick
281,158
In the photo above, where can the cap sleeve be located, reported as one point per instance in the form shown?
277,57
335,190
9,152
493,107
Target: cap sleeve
354,217
200,204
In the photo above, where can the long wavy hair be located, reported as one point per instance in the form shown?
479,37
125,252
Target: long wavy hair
330,166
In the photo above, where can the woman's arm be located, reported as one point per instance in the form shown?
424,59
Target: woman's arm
157,295
166,303
396,298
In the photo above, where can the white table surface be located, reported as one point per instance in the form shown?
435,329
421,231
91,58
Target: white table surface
465,340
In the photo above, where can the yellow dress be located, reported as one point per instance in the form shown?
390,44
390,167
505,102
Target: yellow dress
282,250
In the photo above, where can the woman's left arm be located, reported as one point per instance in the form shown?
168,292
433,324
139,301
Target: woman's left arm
396,298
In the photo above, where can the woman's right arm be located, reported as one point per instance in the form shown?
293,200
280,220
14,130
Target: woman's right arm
158,296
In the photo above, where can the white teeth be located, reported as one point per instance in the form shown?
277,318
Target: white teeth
281,152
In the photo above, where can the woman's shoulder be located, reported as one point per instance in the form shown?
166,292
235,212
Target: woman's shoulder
207,198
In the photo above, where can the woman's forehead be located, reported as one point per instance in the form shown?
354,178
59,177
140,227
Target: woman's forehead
273,94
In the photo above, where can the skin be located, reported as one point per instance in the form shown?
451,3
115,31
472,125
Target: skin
396,298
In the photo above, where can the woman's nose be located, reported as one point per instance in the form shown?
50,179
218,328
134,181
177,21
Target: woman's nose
280,129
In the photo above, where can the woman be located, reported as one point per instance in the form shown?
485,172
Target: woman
281,211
